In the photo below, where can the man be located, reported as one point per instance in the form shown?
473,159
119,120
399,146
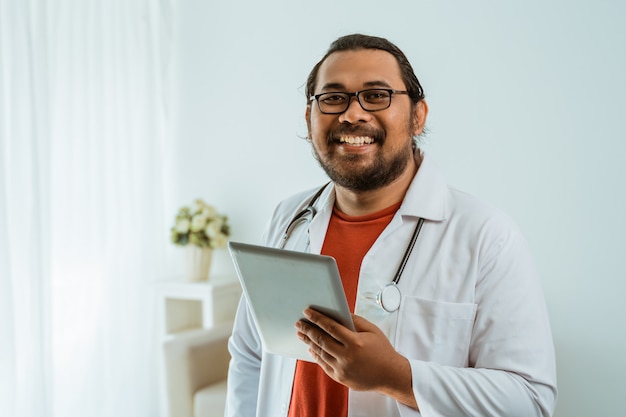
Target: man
460,329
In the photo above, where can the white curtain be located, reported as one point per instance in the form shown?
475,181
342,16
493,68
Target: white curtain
85,117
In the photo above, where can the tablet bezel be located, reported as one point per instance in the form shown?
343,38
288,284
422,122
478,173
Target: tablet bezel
279,284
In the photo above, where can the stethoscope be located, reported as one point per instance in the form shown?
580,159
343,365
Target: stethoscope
305,215
388,297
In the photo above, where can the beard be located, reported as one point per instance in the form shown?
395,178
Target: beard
351,172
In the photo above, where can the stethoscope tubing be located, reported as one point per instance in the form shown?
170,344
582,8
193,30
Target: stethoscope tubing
305,215
409,249
389,296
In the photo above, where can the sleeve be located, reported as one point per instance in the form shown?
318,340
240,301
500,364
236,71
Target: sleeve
512,368
245,365
244,345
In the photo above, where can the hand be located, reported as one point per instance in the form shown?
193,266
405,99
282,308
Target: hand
363,360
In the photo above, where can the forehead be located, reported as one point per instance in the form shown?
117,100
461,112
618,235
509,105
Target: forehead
359,69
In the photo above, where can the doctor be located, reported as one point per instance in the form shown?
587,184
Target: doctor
449,312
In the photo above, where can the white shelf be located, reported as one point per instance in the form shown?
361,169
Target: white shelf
185,306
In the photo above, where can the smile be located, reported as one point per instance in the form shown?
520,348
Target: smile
356,140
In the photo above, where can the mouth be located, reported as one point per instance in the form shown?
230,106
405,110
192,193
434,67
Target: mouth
355,140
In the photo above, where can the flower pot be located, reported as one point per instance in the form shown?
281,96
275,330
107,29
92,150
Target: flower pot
198,263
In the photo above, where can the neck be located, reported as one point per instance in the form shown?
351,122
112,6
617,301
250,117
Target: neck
358,203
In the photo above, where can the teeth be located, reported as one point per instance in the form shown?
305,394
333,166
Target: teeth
356,140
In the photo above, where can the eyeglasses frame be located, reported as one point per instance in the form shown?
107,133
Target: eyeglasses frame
356,94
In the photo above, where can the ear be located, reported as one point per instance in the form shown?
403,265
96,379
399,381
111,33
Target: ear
419,117
307,117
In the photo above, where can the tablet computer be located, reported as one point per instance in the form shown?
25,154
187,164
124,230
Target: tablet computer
279,284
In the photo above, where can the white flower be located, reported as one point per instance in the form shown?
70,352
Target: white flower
182,225
198,205
198,222
200,225
209,212
214,229
219,241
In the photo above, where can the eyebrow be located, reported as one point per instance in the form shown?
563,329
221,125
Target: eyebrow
369,84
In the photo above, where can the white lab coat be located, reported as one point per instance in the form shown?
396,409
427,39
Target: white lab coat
472,321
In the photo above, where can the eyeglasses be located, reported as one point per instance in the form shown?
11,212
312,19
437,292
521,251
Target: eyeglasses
370,100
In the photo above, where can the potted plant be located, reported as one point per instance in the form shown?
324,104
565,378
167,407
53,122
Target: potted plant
200,229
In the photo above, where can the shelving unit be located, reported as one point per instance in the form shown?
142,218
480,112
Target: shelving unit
186,306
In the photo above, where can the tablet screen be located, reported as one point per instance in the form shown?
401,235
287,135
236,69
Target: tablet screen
279,284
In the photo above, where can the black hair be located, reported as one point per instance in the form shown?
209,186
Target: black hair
358,41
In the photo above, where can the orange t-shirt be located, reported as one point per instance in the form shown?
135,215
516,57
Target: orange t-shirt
348,239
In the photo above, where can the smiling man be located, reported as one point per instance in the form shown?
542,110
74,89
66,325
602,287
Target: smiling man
362,140
449,314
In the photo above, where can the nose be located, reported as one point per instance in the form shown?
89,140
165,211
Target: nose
354,113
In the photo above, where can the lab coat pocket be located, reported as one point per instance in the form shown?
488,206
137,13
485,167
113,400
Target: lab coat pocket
435,331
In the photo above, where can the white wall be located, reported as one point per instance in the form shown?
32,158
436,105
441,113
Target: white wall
526,99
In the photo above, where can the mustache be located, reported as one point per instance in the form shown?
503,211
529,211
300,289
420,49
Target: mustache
348,130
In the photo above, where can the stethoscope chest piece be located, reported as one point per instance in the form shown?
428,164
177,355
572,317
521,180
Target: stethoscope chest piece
389,298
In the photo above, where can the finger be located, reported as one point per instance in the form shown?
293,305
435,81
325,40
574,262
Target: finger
324,363
340,333
309,333
312,334
322,357
318,340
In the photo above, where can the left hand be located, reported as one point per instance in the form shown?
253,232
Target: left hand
363,360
